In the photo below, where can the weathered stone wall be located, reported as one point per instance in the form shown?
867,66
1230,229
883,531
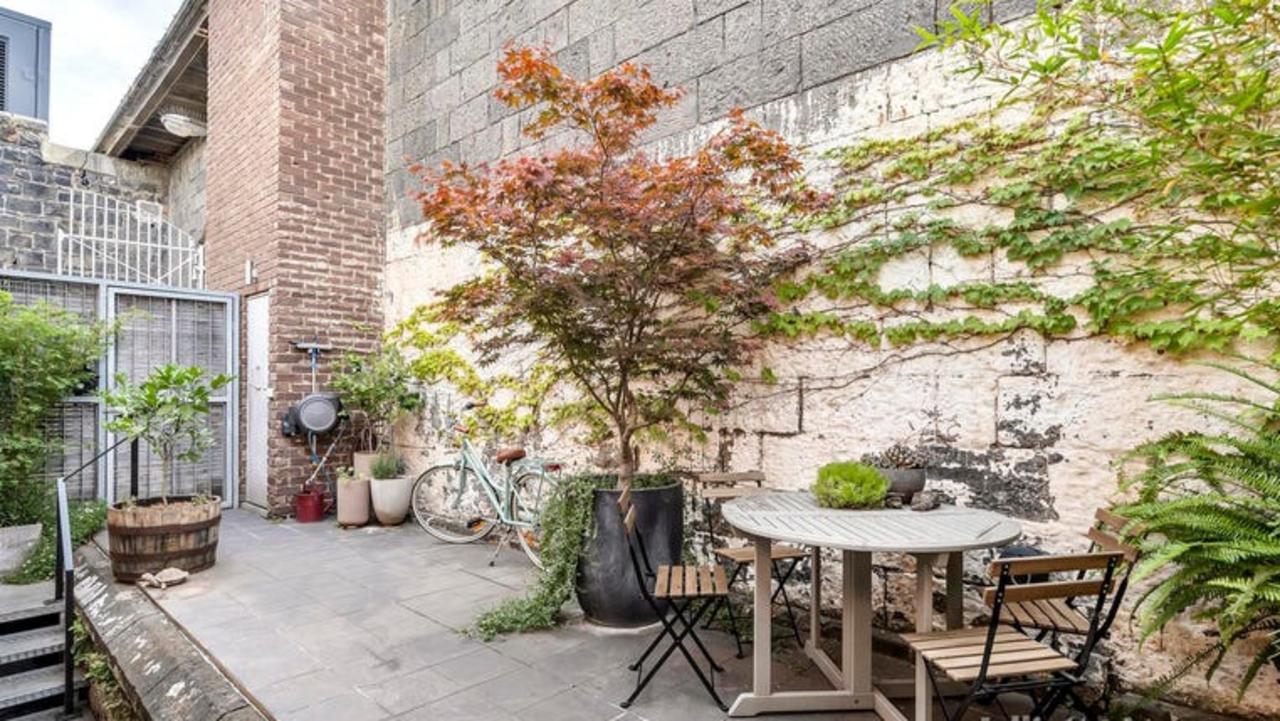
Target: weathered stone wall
36,178
186,194
1022,425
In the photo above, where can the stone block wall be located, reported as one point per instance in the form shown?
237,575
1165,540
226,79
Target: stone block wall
294,176
186,192
36,178
1023,425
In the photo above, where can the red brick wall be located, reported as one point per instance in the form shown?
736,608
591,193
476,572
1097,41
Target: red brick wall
295,164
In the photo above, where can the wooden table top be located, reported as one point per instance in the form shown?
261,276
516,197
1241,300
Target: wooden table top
795,517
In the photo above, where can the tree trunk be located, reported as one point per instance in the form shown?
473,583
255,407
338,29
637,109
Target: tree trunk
626,458
166,482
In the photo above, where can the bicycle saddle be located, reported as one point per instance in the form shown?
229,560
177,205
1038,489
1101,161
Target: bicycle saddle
507,455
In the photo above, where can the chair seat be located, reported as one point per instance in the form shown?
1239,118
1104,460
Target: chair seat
1052,614
747,554
702,581
958,654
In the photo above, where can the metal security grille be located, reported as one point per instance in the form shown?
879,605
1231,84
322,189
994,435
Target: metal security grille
156,326
123,241
4,73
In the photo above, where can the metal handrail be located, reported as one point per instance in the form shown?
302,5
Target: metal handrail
64,573
65,589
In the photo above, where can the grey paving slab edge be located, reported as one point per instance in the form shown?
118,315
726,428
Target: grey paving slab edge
168,676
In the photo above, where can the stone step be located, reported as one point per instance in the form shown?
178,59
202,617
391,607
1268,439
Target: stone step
32,616
32,690
24,645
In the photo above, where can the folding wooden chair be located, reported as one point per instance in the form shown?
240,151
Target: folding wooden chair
1066,616
999,659
785,559
684,589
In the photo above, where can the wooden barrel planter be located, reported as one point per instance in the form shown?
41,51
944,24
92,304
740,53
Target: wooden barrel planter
148,536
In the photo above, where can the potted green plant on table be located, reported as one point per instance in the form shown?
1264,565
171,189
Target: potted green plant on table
903,465
169,411
850,485
636,278
378,385
390,488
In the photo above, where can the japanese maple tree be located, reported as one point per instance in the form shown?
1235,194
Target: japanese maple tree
635,276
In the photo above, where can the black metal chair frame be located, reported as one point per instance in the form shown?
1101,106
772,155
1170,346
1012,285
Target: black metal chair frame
1090,711
1054,688
735,572
783,575
679,609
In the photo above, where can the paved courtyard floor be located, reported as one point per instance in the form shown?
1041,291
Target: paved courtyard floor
322,624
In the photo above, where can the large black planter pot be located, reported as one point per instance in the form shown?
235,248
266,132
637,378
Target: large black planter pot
607,588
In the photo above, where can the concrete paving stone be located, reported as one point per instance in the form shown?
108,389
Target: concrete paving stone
427,650
530,647
572,705
511,692
391,623
297,692
457,607
411,690
477,666
347,707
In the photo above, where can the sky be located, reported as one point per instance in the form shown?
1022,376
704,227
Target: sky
98,48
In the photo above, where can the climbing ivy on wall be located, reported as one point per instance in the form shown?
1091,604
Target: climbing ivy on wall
1125,183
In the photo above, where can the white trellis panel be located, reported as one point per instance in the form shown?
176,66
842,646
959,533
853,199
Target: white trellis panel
126,242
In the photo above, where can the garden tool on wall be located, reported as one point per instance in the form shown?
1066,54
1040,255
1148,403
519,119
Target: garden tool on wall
318,413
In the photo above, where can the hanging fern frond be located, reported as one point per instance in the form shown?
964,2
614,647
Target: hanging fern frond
1206,515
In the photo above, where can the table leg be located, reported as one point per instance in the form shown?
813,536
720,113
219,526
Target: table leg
855,652
762,640
955,590
815,599
924,624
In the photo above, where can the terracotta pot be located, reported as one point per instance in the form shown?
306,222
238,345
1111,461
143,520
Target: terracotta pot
353,501
362,463
391,498
149,536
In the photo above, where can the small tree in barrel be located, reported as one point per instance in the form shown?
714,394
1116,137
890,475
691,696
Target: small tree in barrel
635,277
169,410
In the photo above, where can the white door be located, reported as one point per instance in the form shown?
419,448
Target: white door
258,407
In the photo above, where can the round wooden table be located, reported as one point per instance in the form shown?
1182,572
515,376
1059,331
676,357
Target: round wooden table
796,518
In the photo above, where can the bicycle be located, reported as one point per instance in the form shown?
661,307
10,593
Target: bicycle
473,502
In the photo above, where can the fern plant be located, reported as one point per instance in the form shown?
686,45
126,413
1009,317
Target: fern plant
1206,515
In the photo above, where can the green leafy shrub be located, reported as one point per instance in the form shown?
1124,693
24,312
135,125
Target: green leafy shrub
169,410
46,354
566,525
87,518
850,485
386,465
1207,518
379,384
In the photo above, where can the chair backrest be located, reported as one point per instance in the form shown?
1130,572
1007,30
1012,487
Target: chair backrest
1108,534
635,541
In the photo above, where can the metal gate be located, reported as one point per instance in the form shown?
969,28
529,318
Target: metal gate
157,326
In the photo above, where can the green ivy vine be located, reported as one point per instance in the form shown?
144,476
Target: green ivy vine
1137,150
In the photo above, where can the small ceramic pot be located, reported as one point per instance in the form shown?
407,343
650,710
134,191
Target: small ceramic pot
391,498
904,481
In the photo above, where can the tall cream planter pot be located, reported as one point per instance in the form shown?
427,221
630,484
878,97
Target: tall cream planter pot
353,501
391,498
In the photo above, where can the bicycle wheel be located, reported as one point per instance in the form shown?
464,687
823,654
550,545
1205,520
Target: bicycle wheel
531,490
449,504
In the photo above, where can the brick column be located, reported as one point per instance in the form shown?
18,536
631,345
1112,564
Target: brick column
295,162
